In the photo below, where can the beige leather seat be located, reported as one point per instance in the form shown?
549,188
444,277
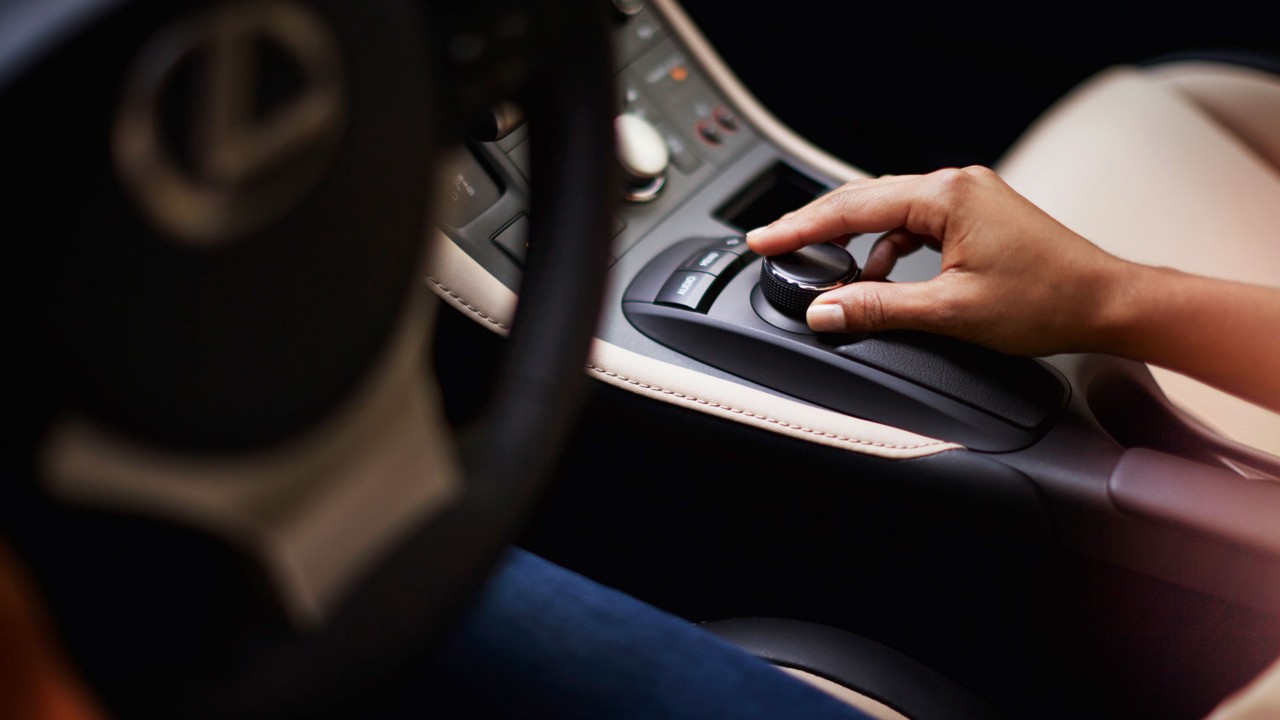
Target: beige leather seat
1175,163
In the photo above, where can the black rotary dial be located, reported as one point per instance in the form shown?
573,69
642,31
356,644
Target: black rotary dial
791,281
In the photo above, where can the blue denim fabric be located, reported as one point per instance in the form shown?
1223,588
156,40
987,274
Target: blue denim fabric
543,642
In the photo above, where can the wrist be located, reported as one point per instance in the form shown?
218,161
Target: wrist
1129,296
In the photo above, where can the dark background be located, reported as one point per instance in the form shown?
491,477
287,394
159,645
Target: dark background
909,87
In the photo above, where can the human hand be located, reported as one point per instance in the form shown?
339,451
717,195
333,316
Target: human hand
1012,278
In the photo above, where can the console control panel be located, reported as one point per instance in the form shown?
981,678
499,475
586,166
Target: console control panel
694,283
675,134
691,161
929,384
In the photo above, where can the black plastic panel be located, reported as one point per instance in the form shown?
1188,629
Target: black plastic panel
1209,499
931,385
1013,388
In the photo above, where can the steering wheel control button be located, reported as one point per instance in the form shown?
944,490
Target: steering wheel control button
643,156
791,281
713,260
513,239
689,289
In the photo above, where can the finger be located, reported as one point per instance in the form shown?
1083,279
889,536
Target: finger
918,202
874,307
887,249
767,241
842,240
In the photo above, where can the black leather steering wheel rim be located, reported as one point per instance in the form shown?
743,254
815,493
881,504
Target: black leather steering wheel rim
401,604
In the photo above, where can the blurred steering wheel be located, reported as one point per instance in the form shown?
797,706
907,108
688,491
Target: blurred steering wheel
231,476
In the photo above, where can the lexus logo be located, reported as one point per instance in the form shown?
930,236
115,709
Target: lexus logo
229,118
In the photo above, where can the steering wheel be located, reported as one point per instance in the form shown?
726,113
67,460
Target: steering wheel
232,478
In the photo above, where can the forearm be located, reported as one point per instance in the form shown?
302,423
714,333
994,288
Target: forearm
1223,333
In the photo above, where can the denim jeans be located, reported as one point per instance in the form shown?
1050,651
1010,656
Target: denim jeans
544,642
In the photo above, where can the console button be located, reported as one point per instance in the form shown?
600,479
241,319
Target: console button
519,155
513,239
640,31
467,189
688,102
712,260
688,289
725,119
709,133
735,244
681,156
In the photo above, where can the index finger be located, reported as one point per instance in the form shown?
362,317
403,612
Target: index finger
861,206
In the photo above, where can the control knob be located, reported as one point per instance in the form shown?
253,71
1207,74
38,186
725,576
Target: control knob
643,155
495,122
627,8
791,281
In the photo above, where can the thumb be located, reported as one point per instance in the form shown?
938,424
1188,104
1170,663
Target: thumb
875,306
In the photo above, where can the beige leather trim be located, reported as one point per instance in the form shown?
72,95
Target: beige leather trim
1135,164
464,284
461,282
866,704
746,103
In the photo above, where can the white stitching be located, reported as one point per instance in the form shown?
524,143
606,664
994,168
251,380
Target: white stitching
782,423
701,401
466,304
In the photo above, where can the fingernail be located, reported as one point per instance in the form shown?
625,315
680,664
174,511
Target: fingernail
753,232
825,317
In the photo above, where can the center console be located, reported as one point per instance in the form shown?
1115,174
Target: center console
692,318
697,174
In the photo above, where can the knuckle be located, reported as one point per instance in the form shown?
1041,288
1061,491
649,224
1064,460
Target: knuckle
956,188
951,184
981,173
